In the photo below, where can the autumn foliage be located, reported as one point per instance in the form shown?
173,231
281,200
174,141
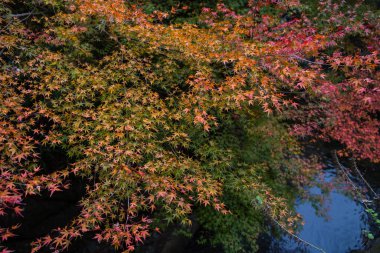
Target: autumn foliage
159,117
346,99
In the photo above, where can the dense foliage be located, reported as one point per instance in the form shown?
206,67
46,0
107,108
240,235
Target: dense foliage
170,113
346,100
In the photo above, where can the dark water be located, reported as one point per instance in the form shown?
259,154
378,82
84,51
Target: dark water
338,230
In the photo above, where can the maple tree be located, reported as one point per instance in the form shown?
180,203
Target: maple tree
344,103
165,118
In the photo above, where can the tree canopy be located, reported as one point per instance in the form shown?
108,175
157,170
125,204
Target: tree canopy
169,110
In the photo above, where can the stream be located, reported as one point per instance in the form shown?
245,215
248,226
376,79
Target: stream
339,230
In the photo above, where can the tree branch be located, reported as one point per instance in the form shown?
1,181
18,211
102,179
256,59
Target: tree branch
20,15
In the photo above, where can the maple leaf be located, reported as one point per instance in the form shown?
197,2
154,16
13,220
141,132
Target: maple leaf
98,237
18,210
7,234
5,250
47,240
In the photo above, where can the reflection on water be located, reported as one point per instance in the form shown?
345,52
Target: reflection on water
339,232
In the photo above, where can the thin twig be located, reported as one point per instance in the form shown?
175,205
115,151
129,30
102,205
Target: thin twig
297,237
306,60
347,174
266,207
361,176
20,15
126,221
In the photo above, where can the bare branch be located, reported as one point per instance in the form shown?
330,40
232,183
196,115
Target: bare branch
20,15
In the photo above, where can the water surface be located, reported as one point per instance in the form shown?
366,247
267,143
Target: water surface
340,230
